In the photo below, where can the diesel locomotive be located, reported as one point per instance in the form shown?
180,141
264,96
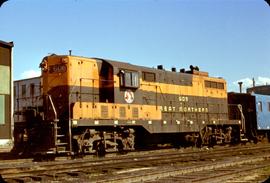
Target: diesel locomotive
99,105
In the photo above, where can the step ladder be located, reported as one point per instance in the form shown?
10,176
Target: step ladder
62,143
243,137
60,139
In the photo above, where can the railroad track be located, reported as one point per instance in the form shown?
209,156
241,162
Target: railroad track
220,171
224,169
120,168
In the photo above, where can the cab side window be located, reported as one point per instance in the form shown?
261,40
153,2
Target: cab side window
129,79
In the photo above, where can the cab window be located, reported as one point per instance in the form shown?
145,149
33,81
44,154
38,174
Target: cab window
148,76
129,79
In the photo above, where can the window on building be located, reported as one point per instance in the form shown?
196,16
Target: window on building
2,109
129,79
32,89
15,91
5,80
24,116
260,108
39,88
23,90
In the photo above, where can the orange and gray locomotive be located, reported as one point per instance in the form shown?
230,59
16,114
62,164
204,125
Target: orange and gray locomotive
100,105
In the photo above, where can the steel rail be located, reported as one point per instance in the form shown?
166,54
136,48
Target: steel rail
57,167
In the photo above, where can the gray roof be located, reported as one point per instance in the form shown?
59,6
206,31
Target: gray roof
6,44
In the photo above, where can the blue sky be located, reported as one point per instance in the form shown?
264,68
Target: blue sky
227,38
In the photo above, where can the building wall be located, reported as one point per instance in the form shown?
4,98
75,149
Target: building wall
27,94
5,90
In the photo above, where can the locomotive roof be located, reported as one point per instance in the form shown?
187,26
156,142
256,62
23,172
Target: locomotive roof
129,66
126,65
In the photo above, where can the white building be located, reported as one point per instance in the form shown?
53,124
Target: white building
27,95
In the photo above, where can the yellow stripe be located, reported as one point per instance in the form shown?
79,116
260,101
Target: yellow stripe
94,111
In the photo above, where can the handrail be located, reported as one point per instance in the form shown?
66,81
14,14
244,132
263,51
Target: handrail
243,120
54,110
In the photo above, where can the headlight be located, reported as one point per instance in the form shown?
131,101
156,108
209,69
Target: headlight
74,122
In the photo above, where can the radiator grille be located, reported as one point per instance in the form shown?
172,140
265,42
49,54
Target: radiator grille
104,111
122,112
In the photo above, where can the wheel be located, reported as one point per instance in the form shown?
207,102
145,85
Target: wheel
199,142
101,149
120,147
